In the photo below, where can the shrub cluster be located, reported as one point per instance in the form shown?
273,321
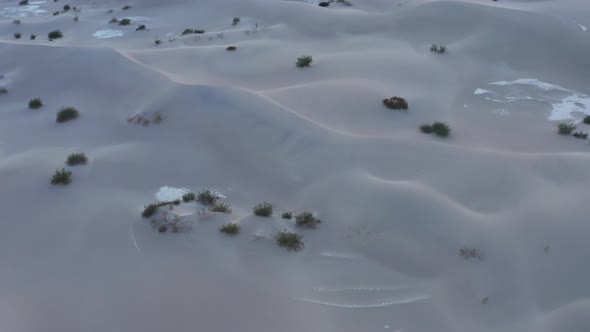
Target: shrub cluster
304,61
188,197
289,240
565,128
35,103
396,103
207,197
67,114
76,159
55,34
62,177
287,215
440,49
306,220
230,228
221,207
438,128
263,209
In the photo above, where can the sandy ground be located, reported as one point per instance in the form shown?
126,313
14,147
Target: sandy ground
396,205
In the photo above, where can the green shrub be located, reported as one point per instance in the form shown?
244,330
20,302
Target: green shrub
230,228
289,240
157,41
33,37
426,128
441,129
580,134
35,103
231,48
565,128
56,13
126,7
287,215
62,177
304,61
586,119
114,20
125,21
67,8
235,21
221,207
187,32
263,209
438,49
67,114
324,4
140,27
207,197
17,35
55,34
188,197
396,103
77,159
307,220
150,210
199,31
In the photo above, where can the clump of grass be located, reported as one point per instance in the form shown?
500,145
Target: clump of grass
35,103
207,197
62,177
67,114
426,128
307,220
188,197
586,119
287,215
324,4
114,20
33,37
125,21
263,209
140,27
17,35
149,210
231,48
304,61
67,8
230,228
55,34
3,91
289,240
469,253
580,134
565,128
77,159
396,103
157,41
221,208
235,21
126,7
157,117
441,129
440,49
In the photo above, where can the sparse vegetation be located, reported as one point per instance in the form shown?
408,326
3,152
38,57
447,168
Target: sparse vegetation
76,159
17,35
307,220
125,21
221,208
16,22
55,34
231,48
169,221
230,228
287,215
149,210
62,177
426,128
3,91
35,103
580,134
396,103
33,37
76,18
126,7
565,128
440,49
469,253
289,240
304,61
188,32
586,119
207,197
23,2
188,197
114,20
324,4
263,209
235,21
67,8
67,114
157,41
441,129
344,2
140,27
157,117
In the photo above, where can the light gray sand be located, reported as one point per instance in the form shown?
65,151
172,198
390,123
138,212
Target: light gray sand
396,205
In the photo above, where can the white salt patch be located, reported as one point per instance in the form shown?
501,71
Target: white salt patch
34,9
409,299
481,91
385,326
501,112
102,34
532,82
582,27
138,18
570,104
169,193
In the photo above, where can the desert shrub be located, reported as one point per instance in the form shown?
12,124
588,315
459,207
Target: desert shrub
324,4
287,215
188,32
16,22
126,7
304,61
586,119
62,177
23,2
149,210
426,128
157,41
396,103
230,228
67,8
438,49
169,221
176,202
306,220
199,31
157,117
263,209
235,21
565,128
189,197
344,2
221,208
162,229
35,103
441,129
140,27
114,20
76,159
17,35
76,18
231,48
3,91
207,197
580,134
55,34
125,21
33,37
67,114
469,253
289,240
